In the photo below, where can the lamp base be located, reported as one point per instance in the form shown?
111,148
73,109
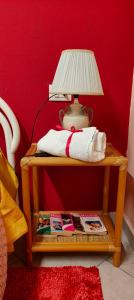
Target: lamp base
76,116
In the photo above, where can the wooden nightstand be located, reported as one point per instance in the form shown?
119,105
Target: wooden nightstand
108,243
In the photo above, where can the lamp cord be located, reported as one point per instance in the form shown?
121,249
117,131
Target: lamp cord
36,116
34,123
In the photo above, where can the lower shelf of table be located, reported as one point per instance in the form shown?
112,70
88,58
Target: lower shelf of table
76,242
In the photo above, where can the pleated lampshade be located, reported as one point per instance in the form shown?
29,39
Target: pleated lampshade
77,74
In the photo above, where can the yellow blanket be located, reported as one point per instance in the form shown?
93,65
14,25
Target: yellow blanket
14,221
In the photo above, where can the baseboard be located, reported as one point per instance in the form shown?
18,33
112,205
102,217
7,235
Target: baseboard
129,224
127,230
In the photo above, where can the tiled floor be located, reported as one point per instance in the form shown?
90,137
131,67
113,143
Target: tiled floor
117,283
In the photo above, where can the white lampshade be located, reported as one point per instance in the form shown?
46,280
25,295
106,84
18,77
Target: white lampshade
77,74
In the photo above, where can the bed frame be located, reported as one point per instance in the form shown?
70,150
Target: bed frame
11,129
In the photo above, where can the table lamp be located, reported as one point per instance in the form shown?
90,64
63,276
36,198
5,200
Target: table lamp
77,74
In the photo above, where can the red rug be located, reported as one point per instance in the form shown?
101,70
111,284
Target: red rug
54,283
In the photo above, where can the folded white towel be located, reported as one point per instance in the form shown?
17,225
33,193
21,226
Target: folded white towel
100,141
87,145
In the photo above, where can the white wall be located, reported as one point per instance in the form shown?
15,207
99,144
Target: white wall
129,201
131,136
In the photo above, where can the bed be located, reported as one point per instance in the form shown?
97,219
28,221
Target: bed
11,130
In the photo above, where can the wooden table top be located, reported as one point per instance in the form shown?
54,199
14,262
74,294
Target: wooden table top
113,158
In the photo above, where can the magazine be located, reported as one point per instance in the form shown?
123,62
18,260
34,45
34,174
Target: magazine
78,226
56,224
67,224
93,224
43,226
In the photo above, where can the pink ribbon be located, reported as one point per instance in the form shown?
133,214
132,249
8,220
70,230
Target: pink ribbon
72,130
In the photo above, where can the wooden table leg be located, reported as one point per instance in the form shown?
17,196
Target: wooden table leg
35,190
106,190
119,214
27,211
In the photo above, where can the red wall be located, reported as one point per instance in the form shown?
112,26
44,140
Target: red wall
32,36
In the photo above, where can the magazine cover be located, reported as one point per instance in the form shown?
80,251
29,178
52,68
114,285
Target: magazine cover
56,224
67,222
43,226
93,224
79,229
